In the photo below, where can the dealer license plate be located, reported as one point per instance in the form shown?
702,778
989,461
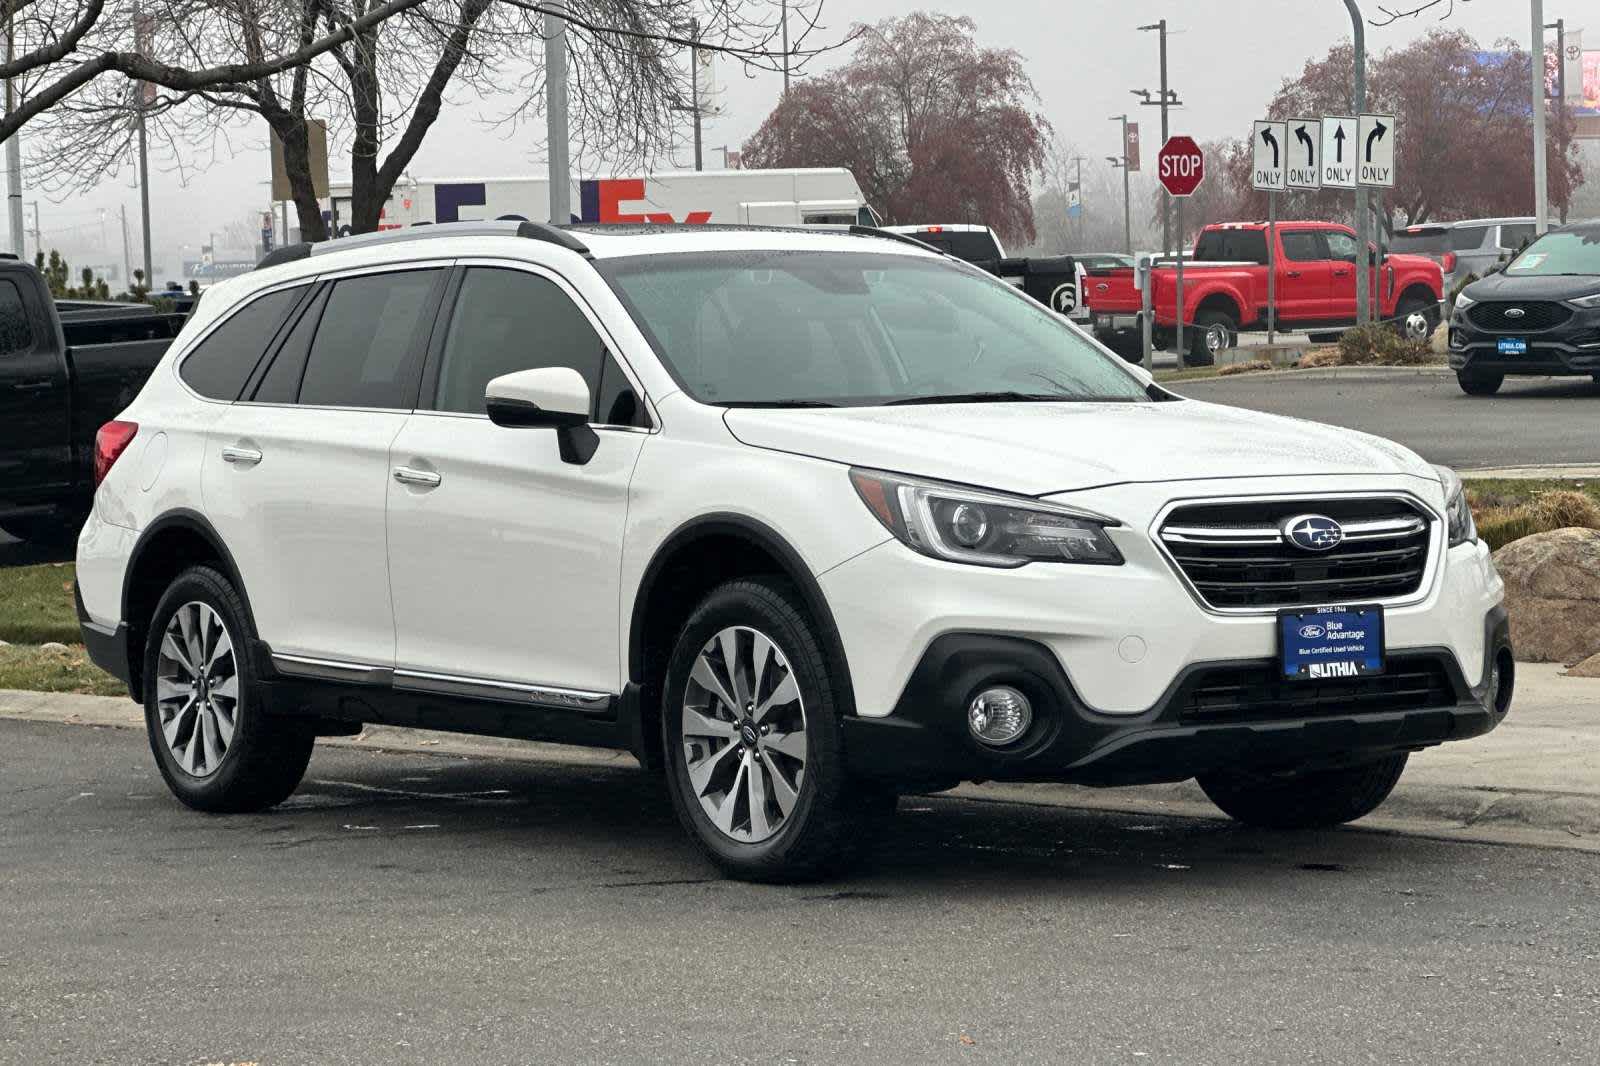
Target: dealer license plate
1323,643
1513,346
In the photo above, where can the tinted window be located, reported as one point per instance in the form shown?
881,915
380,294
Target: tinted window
15,333
366,350
1341,246
854,329
975,246
510,320
1467,238
1231,245
1515,235
281,383
1420,242
1302,246
221,364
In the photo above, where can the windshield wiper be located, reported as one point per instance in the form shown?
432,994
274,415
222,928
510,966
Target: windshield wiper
985,397
777,403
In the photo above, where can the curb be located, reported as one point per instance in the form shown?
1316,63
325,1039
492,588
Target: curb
1525,817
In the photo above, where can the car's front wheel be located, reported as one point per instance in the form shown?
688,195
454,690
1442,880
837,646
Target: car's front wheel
750,721
216,748
1310,800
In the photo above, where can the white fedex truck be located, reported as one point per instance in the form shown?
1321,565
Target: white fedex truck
819,196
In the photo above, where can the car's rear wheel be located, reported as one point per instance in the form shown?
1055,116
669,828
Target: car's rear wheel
1310,800
1480,384
1416,319
214,744
1214,331
750,721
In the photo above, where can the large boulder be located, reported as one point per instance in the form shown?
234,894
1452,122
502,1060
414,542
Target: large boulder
1553,594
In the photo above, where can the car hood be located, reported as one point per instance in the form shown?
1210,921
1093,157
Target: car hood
1411,261
1510,287
1040,448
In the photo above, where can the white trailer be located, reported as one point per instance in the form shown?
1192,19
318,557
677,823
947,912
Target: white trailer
820,196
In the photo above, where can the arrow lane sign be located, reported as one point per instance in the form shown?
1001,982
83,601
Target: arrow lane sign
1337,167
1376,135
1268,158
1338,137
1305,163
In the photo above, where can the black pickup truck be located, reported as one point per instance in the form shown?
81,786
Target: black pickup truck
64,371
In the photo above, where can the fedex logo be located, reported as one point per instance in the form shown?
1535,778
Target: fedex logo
601,201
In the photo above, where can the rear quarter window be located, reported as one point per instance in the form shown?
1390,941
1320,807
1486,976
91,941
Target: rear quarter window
1231,246
219,366
1467,238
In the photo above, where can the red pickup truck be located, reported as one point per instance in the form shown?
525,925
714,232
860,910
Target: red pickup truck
1225,289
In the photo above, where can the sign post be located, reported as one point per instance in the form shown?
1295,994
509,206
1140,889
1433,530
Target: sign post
1269,171
1374,145
1181,167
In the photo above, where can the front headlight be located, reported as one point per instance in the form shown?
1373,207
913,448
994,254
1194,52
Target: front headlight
1459,515
985,528
1592,300
1463,301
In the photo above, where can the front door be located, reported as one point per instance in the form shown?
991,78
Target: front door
504,559
296,476
35,435
1305,277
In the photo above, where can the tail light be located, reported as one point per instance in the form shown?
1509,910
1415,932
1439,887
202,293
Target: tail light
1448,262
109,444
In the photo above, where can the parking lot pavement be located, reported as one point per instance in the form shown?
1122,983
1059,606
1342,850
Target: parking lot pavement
412,908
1531,421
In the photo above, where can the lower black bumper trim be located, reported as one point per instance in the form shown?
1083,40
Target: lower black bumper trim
107,648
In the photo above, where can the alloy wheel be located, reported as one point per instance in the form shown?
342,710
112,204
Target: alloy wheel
197,688
1216,339
1416,326
744,734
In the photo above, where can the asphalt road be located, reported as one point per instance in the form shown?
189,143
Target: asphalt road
412,908
1530,421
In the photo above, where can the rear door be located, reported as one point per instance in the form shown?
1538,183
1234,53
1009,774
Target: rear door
35,398
1305,277
296,475
505,559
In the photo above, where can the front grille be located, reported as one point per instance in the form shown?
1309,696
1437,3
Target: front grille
1235,554
1500,316
1259,693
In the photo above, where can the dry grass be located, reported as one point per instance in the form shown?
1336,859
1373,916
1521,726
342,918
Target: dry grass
1253,367
1506,510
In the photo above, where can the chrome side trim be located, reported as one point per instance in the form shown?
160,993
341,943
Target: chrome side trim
483,688
332,670
1436,525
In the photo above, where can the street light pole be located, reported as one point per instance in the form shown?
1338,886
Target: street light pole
1560,26
1122,161
784,7
1166,197
1541,190
1358,105
555,89
13,152
694,85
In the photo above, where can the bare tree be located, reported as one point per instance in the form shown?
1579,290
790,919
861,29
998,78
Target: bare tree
382,88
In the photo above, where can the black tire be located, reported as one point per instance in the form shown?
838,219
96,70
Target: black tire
1316,799
1428,309
1480,384
1213,331
822,832
265,758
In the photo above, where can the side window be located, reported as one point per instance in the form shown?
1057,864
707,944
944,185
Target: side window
1467,238
1302,246
281,382
367,350
1514,235
508,320
16,335
220,365
1341,246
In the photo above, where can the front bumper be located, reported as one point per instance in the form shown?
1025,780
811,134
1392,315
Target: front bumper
1572,348
926,741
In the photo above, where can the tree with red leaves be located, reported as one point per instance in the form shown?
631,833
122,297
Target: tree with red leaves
933,127
1464,137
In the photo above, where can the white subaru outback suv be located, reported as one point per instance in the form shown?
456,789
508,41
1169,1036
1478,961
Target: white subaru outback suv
806,519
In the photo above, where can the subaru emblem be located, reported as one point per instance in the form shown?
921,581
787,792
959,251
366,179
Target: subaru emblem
1515,312
1313,532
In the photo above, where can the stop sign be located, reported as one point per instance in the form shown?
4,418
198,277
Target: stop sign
1181,165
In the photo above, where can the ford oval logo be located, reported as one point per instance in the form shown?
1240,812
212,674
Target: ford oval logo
1313,532
1312,632
1515,312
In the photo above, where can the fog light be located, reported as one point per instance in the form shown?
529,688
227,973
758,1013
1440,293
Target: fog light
999,716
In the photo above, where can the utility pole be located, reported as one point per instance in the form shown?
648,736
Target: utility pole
1358,105
555,108
1168,98
127,254
694,84
1121,160
1541,187
784,7
1560,26
13,149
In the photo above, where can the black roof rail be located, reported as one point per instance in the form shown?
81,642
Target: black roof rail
890,235
502,227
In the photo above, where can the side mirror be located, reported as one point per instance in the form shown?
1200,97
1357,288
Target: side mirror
553,397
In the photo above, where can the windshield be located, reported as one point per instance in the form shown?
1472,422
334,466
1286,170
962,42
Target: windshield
787,328
1575,251
1420,242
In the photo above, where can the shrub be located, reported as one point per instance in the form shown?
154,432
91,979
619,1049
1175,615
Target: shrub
1379,345
1561,508
1499,523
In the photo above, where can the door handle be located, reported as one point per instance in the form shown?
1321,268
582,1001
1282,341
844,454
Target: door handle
408,475
1341,273
245,456
1294,273
33,386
